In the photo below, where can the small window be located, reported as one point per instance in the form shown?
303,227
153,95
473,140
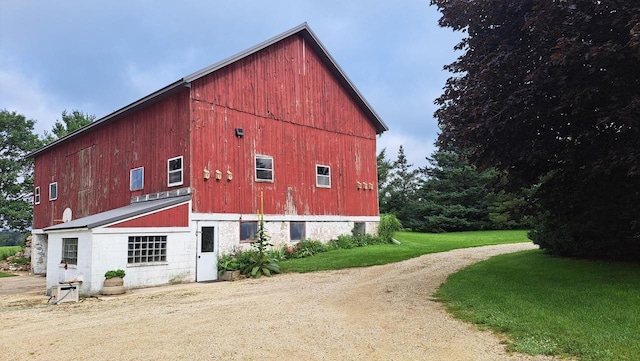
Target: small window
136,179
297,231
264,168
70,251
147,249
174,166
53,191
359,228
248,231
323,176
36,196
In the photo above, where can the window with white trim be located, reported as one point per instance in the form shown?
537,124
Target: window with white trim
70,251
147,249
136,179
248,231
174,171
323,176
297,231
264,168
36,195
53,191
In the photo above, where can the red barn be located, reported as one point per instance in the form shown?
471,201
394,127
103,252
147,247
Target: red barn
164,185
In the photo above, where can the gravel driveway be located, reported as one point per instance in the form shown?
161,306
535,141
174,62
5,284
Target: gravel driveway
375,313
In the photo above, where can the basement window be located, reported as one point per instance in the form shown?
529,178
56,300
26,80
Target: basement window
147,249
264,168
174,171
136,179
36,195
70,251
359,228
248,231
53,191
323,176
297,231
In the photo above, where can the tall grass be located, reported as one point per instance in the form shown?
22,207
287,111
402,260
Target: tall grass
412,245
8,251
547,305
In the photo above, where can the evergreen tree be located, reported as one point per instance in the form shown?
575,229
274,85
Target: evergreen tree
384,171
401,192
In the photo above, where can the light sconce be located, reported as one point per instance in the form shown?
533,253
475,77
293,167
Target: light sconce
239,132
370,186
229,175
206,174
218,175
359,185
364,185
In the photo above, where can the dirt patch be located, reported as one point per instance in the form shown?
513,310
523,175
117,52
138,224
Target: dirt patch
376,313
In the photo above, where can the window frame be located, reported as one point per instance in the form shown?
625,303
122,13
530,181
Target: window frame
53,184
324,176
158,248
36,195
303,234
170,171
70,251
359,228
131,171
253,238
270,158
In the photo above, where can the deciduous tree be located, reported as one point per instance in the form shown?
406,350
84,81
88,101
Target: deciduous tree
17,139
549,91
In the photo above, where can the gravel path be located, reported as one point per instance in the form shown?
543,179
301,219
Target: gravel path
375,313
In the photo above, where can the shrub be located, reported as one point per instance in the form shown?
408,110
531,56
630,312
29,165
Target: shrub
117,273
389,224
21,260
304,248
343,241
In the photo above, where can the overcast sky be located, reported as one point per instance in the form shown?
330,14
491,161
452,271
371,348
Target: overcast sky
98,56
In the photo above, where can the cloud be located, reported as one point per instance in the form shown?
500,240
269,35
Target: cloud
24,95
415,149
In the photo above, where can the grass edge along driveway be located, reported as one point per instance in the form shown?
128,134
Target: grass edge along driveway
412,245
553,306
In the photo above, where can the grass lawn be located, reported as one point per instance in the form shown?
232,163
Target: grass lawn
550,305
2,274
8,251
413,245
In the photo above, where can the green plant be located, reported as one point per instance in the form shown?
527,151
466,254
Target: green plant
389,224
114,273
21,260
227,262
260,262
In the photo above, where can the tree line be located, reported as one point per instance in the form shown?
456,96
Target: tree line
448,195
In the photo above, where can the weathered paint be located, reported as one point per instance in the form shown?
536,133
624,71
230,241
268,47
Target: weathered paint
92,171
292,108
172,217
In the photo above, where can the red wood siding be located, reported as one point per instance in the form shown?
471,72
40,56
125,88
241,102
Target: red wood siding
293,109
172,217
92,170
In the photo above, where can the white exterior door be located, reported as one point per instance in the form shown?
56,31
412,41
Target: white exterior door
207,262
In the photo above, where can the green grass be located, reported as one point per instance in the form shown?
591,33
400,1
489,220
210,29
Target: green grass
547,305
8,251
413,245
2,274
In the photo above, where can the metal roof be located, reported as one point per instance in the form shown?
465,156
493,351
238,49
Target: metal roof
119,214
185,82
